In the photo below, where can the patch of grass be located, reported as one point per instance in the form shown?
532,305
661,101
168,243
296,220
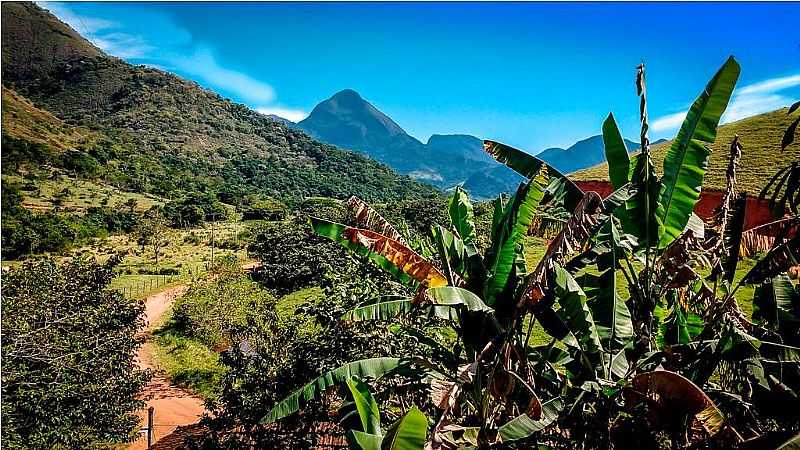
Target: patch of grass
290,302
760,137
78,195
188,362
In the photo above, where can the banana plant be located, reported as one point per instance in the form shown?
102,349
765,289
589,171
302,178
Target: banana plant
407,433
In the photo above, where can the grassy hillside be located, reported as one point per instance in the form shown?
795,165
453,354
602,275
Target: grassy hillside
23,120
760,137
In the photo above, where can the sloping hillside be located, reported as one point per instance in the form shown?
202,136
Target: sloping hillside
760,137
163,134
23,120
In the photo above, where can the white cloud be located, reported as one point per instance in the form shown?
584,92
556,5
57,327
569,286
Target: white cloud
295,115
201,63
747,101
771,85
668,122
81,24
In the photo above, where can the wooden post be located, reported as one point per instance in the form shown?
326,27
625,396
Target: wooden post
150,413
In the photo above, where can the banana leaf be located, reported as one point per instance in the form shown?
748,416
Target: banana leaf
408,433
362,215
529,166
776,261
365,368
616,153
364,441
392,256
640,217
523,426
462,217
366,406
511,233
575,313
687,159
774,302
455,296
609,311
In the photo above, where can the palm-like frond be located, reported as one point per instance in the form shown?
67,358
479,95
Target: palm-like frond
362,215
686,161
365,368
391,255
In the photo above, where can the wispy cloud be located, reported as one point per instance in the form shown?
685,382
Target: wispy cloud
747,101
203,65
668,122
295,115
200,64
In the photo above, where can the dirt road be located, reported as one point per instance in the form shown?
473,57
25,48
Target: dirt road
172,405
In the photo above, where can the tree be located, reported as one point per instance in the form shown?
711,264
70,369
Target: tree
69,375
152,231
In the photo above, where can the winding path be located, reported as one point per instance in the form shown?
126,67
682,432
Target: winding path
173,406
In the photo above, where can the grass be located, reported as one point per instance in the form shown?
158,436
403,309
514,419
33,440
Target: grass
78,195
23,120
186,361
760,137
288,304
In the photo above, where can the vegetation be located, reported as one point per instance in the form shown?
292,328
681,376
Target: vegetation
676,336
759,136
69,376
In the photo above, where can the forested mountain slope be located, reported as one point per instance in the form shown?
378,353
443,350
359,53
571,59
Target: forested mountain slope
162,134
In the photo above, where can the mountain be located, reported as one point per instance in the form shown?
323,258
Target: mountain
760,137
582,154
348,121
151,131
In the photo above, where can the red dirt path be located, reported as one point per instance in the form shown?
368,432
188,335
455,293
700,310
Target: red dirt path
173,406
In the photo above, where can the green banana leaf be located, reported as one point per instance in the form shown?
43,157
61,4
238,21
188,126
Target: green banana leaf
455,296
366,406
529,166
365,368
576,315
680,327
616,153
609,311
773,302
364,441
461,216
452,251
408,433
640,217
385,310
511,233
523,426
687,159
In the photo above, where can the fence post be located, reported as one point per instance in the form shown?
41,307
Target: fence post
150,411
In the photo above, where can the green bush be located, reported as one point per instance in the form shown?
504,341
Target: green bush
69,375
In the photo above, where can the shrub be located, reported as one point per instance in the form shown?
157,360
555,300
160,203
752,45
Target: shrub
69,375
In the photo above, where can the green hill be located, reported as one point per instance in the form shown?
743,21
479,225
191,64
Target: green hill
760,137
154,132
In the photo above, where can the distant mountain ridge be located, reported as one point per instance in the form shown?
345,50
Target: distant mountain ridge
349,121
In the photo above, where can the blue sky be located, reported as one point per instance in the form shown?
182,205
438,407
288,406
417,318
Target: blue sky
533,75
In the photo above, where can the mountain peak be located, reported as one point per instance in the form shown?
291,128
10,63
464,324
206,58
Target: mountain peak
347,95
